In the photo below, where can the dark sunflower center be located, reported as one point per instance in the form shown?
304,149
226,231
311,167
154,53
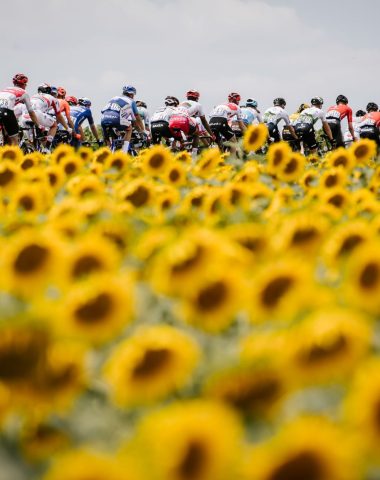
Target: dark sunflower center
349,243
253,244
95,309
138,197
277,158
212,296
26,202
101,158
253,395
60,156
253,137
6,177
319,353
70,168
31,258
376,415
303,466
369,276
197,201
189,262
156,160
27,163
174,175
337,200
291,166
331,180
153,361
361,151
193,462
275,290
118,164
303,235
85,265
340,161
52,179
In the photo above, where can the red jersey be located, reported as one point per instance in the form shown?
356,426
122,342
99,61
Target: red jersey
372,118
339,112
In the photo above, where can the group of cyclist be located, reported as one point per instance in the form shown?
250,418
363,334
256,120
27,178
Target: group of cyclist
56,115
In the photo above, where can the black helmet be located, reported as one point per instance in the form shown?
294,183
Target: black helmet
341,99
303,107
279,102
171,101
44,88
372,107
317,101
140,103
360,113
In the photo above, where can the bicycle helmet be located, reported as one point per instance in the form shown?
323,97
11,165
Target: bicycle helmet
193,94
72,100
129,90
85,102
20,80
317,101
142,104
372,107
279,102
360,113
342,99
54,91
251,103
171,101
234,97
303,107
61,92
44,88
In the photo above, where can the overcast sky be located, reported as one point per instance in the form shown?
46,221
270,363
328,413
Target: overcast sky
260,48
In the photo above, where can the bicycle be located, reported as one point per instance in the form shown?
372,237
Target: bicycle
31,139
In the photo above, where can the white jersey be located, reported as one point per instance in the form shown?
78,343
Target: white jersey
43,102
12,96
311,116
275,115
228,111
194,109
163,114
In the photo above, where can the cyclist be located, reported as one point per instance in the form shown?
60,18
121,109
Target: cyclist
9,99
334,117
370,125
42,103
159,124
64,106
143,112
249,115
79,113
119,114
220,116
195,110
304,125
273,116
286,133
356,120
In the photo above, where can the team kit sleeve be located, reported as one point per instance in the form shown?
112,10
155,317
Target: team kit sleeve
286,118
27,102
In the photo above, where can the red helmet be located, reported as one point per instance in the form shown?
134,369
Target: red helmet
61,91
72,100
234,97
20,80
193,93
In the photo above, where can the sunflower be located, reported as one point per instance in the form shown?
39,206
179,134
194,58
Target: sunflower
61,152
11,153
118,161
363,150
41,440
251,389
184,157
254,137
166,198
342,158
157,160
362,282
152,364
310,179
102,155
115,230
193,440
362,406
280,289
308,448
328,344
138,193
86,464
97,310
336,197
292,168
207,163
85,153
237,196
31,260
9,174
56,176
29,199
176,175
253,238
333,177
71,164
30,161
249,173
194,199
85,185
278,156
214,300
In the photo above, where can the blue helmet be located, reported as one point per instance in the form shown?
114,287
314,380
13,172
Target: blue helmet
129,90
251,103
54,91
85,102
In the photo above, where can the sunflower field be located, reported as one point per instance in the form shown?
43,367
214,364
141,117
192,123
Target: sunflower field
165,317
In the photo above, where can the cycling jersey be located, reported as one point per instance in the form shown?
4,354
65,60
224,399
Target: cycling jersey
163,114
12,96
249,115
64,107
339,112
194,109
227,111
370,127
120,110
275,115
310,116
43,102
144,114
372,118
79,114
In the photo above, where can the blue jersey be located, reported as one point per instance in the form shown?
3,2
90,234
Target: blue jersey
119,111
79,114
248,115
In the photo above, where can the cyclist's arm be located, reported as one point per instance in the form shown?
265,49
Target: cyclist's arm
61,120
206,125
327,130
29,107
67,115
352,131
242,125
94,131
139,124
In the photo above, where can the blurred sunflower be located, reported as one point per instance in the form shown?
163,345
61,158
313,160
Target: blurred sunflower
184,157
11,153
363,150
102,155
61,152
252,237
56,176
157,160
138,193
150,365
84,185
193,440
278,156
292,168
176,175
333,177
343,158
71,164
207,163
29,199
97,310
9,175
309,448
254,137
118,161
39,441
29,161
